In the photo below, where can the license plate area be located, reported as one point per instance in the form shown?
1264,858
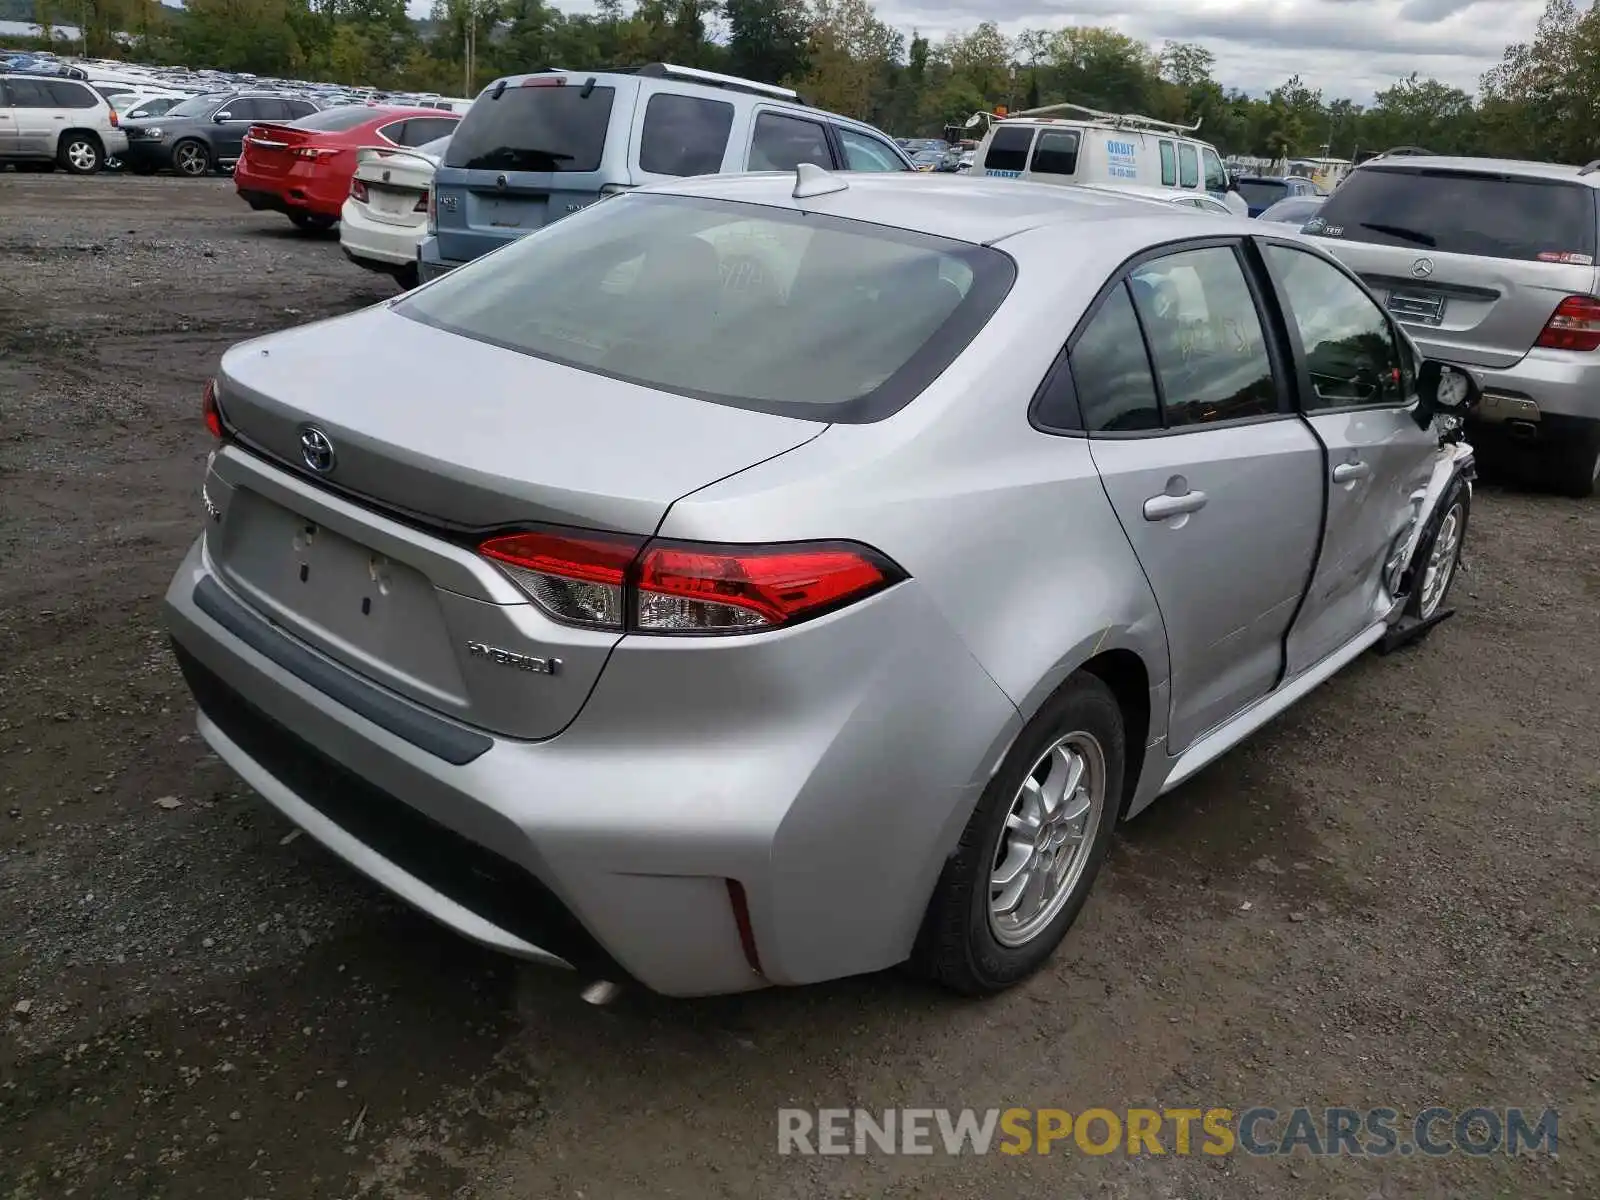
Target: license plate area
1417,308
393,201
378,616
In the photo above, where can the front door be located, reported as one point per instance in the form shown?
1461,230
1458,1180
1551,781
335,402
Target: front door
227,138
1357,391
1215,481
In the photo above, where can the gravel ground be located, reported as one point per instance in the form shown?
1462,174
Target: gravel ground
1387,898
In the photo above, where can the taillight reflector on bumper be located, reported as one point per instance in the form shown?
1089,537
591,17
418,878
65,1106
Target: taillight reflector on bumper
1575,325
358,191
606,581
211,411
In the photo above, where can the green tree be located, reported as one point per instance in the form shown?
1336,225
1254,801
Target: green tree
767,39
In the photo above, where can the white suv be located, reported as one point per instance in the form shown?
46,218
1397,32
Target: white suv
47,121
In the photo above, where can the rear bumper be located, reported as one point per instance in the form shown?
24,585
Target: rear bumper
115,142
1544,383
429,263
281,194
378,244
832,800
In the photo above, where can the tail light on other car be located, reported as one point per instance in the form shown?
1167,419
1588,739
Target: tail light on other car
211,411
433,209
610,581
358,190
1575,325
115,120
316,153
423,203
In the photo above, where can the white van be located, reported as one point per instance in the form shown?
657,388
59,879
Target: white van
1101,148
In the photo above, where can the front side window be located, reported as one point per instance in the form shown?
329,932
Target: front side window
1056,152
1216,177
741,304
864,153
1111,372
1350,347
199,106
1008,150
538,126
782,143
684,135
1205,337
1188,166
1169,165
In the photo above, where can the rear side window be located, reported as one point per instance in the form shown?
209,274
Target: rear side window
1459,212
71,95
1112,373
419,131
1188,166
1008,149
684,135
534,128
336,120
742,304
782,143
28,93
1205,337
1056,152
1169,165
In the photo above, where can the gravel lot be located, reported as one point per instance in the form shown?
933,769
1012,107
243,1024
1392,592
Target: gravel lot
1389,897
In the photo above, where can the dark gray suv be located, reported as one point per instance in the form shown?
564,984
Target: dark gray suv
207,132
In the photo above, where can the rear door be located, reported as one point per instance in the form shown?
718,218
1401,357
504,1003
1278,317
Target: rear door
1473,263
1216,482
526,155
1356,387
37,120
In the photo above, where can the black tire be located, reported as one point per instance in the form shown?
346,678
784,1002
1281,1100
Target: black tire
957,945
192,158
313,222
80,153
1577,465
406,277
1456,499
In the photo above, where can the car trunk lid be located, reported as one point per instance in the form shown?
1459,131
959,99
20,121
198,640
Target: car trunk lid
396,182
271,148
436,440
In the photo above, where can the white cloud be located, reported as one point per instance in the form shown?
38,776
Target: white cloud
1347,48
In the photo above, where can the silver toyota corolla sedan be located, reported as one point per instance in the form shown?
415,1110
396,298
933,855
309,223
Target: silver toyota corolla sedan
756,580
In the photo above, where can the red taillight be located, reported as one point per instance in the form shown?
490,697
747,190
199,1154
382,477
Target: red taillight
577,577
692,589
209,409
607,581
115,120
1575,325
358,190
433,209
422,204
315,153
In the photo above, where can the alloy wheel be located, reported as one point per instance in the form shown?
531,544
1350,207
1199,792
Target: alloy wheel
82,155
1044,846
1441,562
191,159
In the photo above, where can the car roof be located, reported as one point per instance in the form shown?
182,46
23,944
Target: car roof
950,206
1508,166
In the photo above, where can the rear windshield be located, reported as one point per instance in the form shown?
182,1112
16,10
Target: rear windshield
534,128
1457,212
763,308
336,120
1260,192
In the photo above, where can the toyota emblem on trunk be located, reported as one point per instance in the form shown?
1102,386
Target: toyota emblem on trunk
1422,268
316,449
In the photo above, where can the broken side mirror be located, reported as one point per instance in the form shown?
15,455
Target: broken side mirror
1444,389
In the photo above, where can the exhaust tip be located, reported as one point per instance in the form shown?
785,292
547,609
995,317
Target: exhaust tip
601,992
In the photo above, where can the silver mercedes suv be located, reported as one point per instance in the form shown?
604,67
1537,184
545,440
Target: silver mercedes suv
1490,263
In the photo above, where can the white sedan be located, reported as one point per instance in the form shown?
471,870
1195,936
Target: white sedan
386,214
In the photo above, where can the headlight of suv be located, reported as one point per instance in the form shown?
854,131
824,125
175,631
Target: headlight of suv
151,131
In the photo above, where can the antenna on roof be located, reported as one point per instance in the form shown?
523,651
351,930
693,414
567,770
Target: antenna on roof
811,180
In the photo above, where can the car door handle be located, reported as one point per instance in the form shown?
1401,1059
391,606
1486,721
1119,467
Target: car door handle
1350,472
1159,508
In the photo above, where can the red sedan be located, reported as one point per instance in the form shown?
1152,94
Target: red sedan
303,168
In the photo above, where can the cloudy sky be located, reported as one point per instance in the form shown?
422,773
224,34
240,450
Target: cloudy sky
1345,47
